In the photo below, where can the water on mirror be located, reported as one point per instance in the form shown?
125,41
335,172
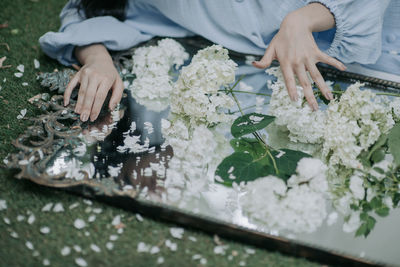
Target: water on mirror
224,140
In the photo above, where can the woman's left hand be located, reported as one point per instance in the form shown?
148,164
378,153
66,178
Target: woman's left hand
295,49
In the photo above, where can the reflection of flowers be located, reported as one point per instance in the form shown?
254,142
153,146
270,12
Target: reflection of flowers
196,105
73,167
299,206
152,86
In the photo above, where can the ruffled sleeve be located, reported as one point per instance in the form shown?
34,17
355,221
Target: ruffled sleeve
358,36
75,30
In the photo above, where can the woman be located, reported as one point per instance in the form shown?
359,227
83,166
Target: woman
292,32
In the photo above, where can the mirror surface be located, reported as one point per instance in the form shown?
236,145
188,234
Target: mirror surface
143,147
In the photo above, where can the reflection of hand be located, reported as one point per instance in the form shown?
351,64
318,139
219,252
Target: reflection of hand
295,48
98,125
96,77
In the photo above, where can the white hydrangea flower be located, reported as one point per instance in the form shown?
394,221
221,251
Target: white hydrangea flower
151,65
357,187
297,207
355,123
153,59
308,168
152,92
353,223
303,124
196,93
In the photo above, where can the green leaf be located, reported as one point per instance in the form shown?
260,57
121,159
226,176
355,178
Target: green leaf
375,202
287,162
250,123
354,207
394,143
365,158
323,98
240,167
364,216
382,211
337,87
396,199
366,207
250,145
378,144
362,230
366,227
370,223
378,155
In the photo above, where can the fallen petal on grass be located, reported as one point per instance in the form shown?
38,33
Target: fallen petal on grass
79,224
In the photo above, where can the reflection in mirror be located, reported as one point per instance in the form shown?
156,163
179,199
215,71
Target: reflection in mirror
215,137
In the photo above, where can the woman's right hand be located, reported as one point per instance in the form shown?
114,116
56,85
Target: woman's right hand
97,76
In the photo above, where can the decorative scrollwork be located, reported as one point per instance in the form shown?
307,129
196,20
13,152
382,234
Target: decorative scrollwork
58,129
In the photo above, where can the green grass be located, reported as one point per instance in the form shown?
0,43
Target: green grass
31,19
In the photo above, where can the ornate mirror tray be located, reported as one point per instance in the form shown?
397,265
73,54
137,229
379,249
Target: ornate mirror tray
232,154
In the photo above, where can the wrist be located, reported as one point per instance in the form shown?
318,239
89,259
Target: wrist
92,53
315,17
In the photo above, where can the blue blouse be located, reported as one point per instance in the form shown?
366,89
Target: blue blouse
366,32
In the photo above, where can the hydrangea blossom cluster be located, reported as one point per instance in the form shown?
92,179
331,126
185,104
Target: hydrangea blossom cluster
353,124
300,206
196,93
354,190
349,126
303,124
151,66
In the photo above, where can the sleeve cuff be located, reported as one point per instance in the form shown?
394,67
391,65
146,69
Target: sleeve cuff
358,36
114,34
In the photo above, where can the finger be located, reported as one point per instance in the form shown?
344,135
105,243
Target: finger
319,80
81,93
99,100
118,88
89,99
290,81
70,87
76,67
324,58
267,59
307,89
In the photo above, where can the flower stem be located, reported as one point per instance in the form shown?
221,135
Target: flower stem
249,107
256,135
378,93
247,92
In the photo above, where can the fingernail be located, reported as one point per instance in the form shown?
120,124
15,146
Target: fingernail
84,117
65,103
330,96
314,106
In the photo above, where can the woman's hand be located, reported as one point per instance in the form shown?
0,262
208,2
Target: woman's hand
97,76
295,49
